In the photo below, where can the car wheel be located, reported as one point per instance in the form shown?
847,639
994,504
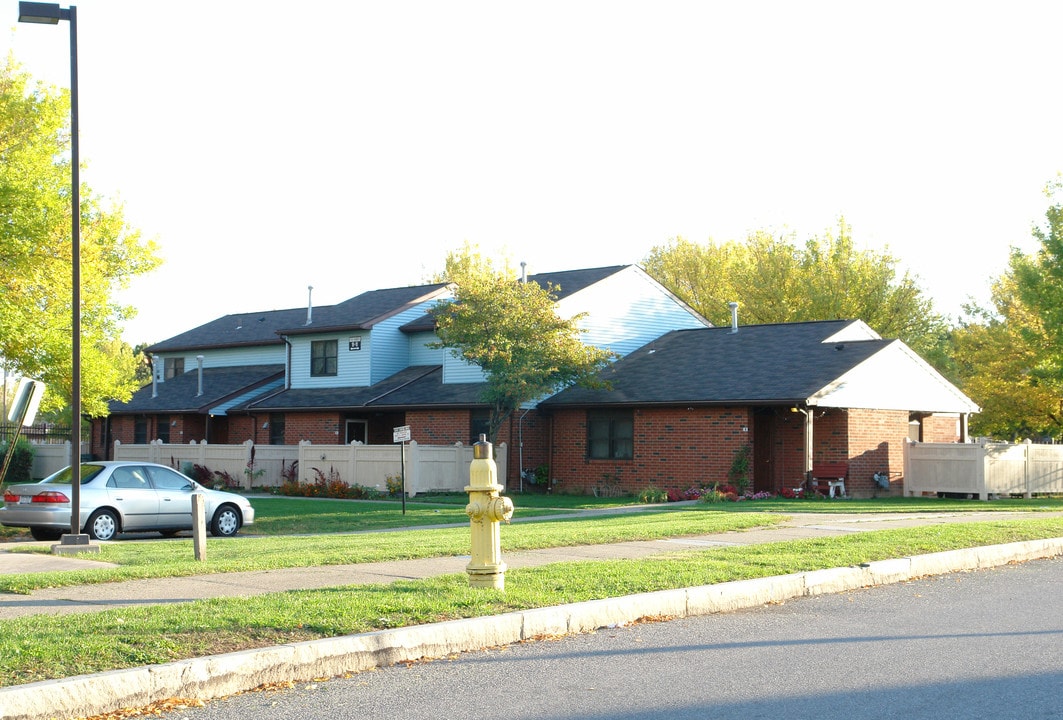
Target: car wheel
226,521
40,533
102,525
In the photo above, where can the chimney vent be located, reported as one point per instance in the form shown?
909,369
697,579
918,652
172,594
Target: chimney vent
734,316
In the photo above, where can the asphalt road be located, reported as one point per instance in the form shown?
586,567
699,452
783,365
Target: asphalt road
986,644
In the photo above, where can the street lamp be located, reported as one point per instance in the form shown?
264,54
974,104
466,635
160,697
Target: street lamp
51,14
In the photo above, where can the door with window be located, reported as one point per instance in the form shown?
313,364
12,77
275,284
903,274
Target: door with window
129,489
357,431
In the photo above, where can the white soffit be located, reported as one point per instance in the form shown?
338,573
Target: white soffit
895,378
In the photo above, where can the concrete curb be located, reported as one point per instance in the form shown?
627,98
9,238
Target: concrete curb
220,675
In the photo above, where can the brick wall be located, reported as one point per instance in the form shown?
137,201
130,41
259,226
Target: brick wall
321,428
941,428
674,448
876,444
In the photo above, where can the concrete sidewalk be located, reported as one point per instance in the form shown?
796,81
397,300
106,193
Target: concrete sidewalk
94,598
217,676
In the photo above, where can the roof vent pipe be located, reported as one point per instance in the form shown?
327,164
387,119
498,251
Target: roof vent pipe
309,304
199,362
734,316
523,271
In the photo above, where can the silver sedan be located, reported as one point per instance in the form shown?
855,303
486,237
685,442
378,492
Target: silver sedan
121,496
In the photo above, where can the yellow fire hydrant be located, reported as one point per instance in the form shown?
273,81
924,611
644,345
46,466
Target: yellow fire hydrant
486,509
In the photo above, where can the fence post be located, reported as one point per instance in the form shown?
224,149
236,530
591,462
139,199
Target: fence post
980,480
352,462
1026,446
413,469
304,457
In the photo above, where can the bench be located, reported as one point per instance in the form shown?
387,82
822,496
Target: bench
830,474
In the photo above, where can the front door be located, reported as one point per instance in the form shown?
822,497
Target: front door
357,431
764,450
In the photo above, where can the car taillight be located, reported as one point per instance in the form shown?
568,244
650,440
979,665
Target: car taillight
10,497
50,496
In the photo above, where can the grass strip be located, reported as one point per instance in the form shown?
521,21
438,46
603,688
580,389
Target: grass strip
175,558
44,647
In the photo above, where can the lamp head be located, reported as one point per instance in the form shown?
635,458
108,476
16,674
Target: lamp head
39,13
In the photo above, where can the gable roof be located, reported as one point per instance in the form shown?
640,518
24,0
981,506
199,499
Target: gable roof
232,331
220,386
366,310
758,364
415,386
565,283
361,312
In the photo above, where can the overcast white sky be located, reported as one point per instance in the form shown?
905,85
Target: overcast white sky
350,149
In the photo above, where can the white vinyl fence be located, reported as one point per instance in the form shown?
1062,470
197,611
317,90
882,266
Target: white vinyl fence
52,457
983,469
428,468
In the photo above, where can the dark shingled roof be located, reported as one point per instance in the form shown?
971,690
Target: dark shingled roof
759,364
365,310
233,330
416,386
178,394
565,283
265,328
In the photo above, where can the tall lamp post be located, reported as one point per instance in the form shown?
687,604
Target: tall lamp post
50,14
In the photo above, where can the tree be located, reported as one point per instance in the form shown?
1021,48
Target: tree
512,331
35,280
1010,357
775,280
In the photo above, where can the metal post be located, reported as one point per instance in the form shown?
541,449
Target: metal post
48,13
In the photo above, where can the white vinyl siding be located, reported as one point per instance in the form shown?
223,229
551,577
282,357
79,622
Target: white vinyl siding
422,355
227,357
352,366
627,310
391,347
458,370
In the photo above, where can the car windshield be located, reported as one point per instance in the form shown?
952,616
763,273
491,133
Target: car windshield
88,471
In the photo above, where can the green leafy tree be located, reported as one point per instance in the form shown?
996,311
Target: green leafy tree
775,279
1010,356
35,279
512,331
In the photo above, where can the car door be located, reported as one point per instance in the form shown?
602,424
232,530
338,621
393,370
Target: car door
175,497
130,492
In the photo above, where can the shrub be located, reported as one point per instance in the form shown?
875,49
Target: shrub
653,495
21,468
712,495
394,483
226,480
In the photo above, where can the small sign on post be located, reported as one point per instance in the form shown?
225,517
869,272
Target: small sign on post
401,434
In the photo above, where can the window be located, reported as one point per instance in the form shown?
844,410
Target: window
140,430
478,424
162,428
610,435
128,478
323,358
276,428
173,367
166,479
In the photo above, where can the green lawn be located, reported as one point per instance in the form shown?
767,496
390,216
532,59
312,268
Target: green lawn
40,647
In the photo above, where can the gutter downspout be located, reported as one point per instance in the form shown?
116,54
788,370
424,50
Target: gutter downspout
199,363
520,447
